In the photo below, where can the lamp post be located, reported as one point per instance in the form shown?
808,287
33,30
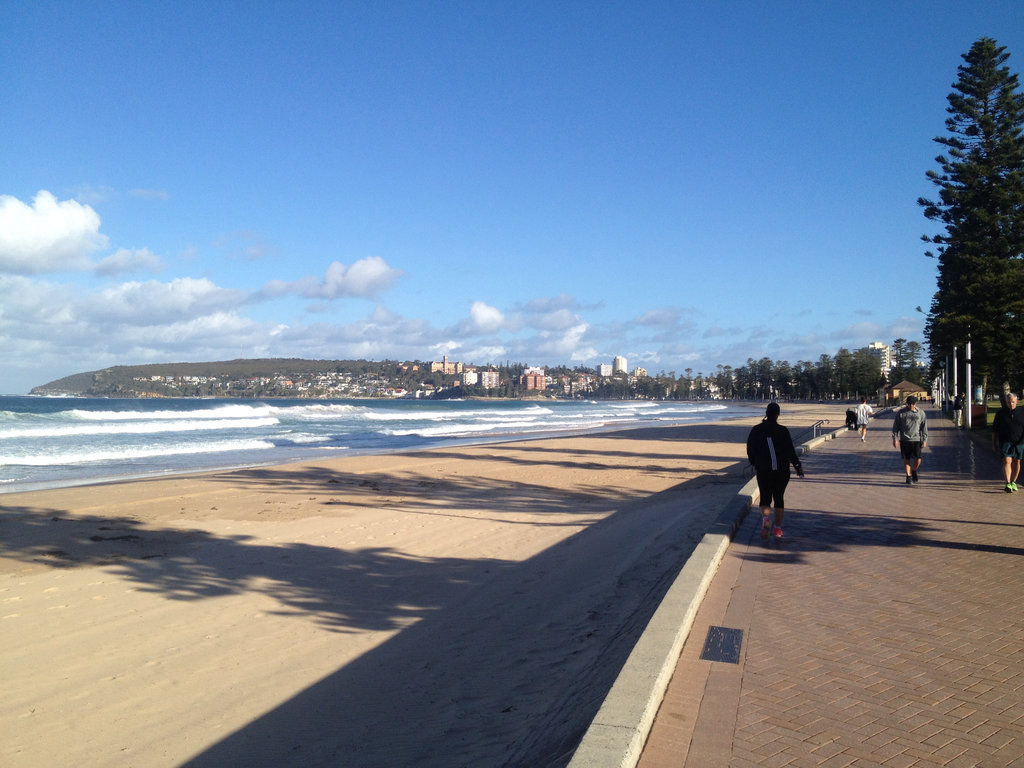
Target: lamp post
955,387
943,384
967,376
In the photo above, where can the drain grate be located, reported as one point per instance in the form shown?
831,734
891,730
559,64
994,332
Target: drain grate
723,644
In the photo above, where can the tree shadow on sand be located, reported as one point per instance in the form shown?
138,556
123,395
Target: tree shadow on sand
497,662
375,588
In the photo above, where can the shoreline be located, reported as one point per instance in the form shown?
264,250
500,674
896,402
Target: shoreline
233,617
298,455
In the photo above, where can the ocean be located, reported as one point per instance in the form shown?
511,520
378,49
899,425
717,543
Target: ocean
62,442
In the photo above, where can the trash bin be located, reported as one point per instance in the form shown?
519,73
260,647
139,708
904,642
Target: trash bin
979,417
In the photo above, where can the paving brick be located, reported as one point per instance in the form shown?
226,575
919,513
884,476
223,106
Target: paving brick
902,760
885,630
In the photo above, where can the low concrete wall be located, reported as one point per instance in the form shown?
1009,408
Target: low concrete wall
617,734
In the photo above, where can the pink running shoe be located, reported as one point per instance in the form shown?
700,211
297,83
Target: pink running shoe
777,532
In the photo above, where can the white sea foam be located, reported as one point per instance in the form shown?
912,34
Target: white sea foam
510,425
219,412
127,454
135,428
302,439
315,412
450,415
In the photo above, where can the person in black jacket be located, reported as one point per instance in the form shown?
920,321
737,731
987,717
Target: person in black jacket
770,449
1008,439
958,410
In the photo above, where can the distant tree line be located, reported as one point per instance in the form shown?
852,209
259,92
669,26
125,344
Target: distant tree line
845,376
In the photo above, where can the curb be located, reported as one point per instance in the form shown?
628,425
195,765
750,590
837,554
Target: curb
619,730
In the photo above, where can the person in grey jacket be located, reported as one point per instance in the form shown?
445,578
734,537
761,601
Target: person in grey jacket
910,428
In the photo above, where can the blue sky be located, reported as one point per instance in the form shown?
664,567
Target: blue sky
685,184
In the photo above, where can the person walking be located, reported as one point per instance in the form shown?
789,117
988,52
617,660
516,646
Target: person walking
1008,439
958,410
770,449
864,412
910,428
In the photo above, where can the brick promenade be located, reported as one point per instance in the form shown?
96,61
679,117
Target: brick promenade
887,629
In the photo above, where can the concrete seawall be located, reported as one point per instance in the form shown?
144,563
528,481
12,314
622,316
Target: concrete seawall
616,736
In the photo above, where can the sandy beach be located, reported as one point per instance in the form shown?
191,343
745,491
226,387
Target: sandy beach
451,607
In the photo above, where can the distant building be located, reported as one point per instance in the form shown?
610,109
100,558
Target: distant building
489,379
534,378
470,377
640,372
619,364
884,354
447,368
604,369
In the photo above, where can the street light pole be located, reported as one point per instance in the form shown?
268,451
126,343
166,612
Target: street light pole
956,388
970,395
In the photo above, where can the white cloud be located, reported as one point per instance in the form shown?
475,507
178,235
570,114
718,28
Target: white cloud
383,316
904,328
155,303
556,346
219,329
30,307
559,320
547,304
444,348
584,354
485,318
862,330
487,354
659,317
365,278
48,236
125,260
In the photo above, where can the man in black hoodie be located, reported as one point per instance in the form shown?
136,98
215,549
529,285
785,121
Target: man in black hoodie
1008,439
770,449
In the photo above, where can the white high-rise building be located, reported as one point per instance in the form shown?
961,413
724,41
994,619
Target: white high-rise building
619,364
884,354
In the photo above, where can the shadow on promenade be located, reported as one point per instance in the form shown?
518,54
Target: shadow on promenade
816,531
856,495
